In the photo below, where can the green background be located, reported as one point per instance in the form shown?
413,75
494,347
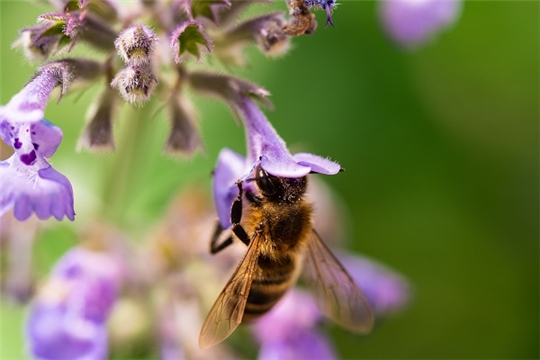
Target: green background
441,150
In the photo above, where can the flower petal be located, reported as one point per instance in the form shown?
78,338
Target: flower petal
47,192
231,166
317,164
68,318
52,336
303,345
412,22
265,144
386,290
29,104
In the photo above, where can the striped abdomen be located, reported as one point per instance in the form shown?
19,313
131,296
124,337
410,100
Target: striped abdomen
272,279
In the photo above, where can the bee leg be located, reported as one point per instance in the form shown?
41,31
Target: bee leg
214,246
239,231
236,216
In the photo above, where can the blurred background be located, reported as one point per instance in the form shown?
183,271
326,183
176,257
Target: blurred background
440,146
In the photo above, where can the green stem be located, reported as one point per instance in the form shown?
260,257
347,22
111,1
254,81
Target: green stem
122,177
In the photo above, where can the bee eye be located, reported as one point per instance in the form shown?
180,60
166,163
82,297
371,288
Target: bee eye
265,183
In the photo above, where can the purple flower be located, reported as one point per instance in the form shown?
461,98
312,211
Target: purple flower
265,148
68,318
386,290
289,330
413,22
29,183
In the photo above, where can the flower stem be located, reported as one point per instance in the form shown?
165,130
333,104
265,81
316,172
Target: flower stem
122,177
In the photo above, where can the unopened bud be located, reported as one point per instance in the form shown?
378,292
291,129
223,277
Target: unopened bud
266,31
227,88
69,70
98,133
136,45
184,138
36,47
135,83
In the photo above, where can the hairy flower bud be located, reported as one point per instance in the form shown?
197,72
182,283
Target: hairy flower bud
227,88
69,70
184,139
266,31
135,83
98,133
136,45
74,26
35,46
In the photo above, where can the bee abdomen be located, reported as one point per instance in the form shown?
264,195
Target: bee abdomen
268,286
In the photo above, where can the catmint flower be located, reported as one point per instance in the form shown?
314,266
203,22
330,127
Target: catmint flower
29,183
67,319
414,22
266,148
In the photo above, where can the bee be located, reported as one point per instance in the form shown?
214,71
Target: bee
302,21
276,226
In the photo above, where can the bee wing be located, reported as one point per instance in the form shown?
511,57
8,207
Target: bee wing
228,310
337,295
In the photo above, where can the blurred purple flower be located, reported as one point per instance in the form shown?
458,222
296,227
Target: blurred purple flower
265,147
386,290
414,22
289,330
29,183
67,319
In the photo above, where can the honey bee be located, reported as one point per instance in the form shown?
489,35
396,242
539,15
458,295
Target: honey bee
301,21
276,226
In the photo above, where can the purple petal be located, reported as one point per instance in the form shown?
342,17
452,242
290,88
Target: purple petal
35,189
296,311
68,317
412,22
29,104
386,290
265,144
46,137
230,167
317,164
53,335
302,345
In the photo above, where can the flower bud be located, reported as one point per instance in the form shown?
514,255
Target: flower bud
264,30
184,139
74,26
227,88
98,133
136,45
35,46
135,83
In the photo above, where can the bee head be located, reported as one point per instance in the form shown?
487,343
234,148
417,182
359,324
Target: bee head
280,188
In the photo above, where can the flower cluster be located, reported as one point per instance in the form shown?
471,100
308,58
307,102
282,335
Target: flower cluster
144,56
